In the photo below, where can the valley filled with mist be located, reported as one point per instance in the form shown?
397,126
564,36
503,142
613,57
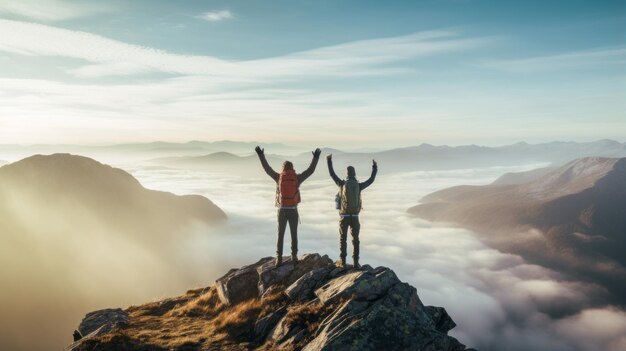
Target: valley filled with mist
88,249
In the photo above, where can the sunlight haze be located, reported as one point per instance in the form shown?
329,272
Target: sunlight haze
394,74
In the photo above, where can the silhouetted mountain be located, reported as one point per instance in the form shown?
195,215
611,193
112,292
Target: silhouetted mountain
573,218
309,306
110,192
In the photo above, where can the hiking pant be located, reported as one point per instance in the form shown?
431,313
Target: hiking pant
351,222
287,215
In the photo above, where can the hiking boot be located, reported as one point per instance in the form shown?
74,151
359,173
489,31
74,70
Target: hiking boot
356,264
340,264
294,259
279,261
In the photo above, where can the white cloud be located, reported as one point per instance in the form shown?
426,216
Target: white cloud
599,57
214,16
111,57
50,10
498,300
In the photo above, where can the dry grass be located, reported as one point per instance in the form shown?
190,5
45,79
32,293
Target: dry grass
207,304
308,316
193,321
239,321
198,320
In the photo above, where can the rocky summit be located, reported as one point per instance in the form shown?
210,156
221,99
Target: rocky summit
308,305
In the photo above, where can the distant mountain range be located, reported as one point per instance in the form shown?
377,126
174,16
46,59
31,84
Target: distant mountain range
571,218
223,162
421,157
142,150
418,158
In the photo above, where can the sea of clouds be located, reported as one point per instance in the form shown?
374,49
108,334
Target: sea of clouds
499,301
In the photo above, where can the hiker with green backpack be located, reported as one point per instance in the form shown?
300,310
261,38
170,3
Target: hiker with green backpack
287,199
348,202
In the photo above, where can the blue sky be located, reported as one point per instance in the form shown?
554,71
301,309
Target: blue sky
335,73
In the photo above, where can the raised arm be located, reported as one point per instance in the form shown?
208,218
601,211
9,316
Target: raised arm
369,182
266,166
309,171
333,175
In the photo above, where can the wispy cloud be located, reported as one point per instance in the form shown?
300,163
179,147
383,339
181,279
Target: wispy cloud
50,10
214,16
595,58
111,57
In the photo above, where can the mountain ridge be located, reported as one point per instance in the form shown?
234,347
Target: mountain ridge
572,218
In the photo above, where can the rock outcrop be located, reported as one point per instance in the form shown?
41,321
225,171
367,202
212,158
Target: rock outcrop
311,305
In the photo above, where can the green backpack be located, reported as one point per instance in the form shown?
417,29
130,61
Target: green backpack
350,197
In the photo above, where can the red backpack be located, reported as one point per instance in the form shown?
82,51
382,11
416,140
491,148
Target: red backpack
287,192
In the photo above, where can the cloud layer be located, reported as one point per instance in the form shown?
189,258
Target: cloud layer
50,10
110,57
498,300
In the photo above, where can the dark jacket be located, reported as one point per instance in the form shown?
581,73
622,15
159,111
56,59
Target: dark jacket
341,182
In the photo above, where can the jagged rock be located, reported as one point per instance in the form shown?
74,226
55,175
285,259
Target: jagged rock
288,273
103,321
240,284
98,323
397,321
256,280
269,274
310,306
304,288
264,325
284,331
440,317
364,285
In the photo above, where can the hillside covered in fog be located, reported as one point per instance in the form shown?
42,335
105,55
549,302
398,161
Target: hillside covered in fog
571,218
83,233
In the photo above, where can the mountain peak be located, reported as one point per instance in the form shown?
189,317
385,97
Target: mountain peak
311,305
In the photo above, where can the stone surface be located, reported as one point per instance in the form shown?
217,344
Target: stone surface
440,317
364,284
304,288
288,273
263,277
323,308
396,321
239,285
97,323
103,321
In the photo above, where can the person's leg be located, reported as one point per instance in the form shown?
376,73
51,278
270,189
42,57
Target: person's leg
344,222
355,228
293,227
282,225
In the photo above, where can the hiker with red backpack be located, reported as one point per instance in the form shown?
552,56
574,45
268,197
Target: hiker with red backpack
287,199
348,202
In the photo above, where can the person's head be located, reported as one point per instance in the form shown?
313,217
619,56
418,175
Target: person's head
351,171
287,166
